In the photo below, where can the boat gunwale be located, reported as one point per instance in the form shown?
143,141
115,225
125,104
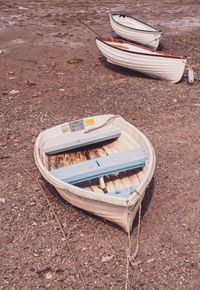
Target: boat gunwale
72,189
160,53
159,31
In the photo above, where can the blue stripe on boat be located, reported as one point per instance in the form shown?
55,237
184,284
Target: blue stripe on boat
99,167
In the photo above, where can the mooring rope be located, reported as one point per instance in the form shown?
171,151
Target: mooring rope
91,29
53,211
130,258
104,124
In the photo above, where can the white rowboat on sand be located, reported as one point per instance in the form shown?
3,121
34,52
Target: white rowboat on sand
135,30
108,178
144,60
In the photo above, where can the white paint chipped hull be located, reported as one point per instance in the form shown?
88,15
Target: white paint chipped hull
135,30
121,211
154,63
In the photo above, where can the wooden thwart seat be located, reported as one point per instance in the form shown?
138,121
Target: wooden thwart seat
102,166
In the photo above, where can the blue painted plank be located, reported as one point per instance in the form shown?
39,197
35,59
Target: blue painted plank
122,193
99,167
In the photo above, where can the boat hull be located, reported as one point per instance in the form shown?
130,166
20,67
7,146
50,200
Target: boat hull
137,58
120,215
120,211
135,30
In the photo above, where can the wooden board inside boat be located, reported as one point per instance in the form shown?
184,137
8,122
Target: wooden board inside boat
112,182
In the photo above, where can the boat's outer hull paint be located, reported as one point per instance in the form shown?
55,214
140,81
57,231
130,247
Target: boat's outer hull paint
122,216
142,36
157,65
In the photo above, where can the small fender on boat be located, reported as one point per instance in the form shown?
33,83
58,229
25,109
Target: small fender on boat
190,75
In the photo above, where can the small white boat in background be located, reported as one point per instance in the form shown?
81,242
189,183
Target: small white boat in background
144,60
100,164
135,30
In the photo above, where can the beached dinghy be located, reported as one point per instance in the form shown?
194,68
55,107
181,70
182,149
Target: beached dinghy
154,63
135,30
101,164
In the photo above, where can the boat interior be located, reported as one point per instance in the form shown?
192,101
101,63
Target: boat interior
116,183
